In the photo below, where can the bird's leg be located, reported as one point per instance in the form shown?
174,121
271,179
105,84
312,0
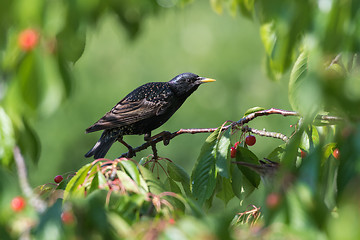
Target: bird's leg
153,147
131,152
165,136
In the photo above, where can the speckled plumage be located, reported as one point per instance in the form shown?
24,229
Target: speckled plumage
143,110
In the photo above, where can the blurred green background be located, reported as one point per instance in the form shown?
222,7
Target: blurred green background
193,39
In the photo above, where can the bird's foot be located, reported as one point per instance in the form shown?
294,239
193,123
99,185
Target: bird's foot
166,136
131,153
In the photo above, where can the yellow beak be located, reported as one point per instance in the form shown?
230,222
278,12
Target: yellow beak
206,80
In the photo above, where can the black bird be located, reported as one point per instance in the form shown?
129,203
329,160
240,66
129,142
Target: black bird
143,110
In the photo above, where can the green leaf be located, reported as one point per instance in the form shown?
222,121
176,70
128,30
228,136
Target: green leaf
131,170
270,41
71,43
128,182
226,193
98,182
309,169
245,155
7,138
50,220
246,7
328,178
276,154
204,174
268,37
66,75
304,88
31,87
252,110
122,227
74,186
297,74
173,186
178,174
327,151
29,142
222,151
154,184
310,138
240,185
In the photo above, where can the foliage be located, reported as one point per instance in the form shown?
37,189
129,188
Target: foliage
313,194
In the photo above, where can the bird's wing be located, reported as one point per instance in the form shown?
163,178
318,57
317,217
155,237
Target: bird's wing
128,112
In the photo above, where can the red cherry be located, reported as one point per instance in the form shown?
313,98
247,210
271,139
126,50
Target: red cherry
273,200
18,204
67,217
58,178
303,153
233,152
250,140
171,221
236,144
336,153
28,39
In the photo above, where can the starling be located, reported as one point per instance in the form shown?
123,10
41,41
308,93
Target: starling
143,110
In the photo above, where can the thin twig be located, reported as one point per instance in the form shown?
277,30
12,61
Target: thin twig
38,204
265,133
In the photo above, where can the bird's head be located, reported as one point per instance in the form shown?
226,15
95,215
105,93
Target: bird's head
186,83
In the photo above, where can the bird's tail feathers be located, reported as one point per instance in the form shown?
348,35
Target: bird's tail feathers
103,145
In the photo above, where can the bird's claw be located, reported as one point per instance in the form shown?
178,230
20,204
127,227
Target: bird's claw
166,138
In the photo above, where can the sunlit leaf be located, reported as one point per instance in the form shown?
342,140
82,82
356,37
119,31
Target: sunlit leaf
98,182
204,173
74,185
127,182
310,138
131,170
252,110
222,151
305,95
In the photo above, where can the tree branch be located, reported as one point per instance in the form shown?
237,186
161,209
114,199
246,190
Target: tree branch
239,124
